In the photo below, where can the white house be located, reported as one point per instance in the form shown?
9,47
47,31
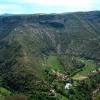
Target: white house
68,85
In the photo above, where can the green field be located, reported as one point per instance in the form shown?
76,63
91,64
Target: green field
89,66
54,63
4,91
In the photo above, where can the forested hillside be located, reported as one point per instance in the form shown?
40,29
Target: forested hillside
41,53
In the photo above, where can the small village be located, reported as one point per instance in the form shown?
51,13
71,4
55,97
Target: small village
65,78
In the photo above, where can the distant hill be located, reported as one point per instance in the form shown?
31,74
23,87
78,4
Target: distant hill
6,14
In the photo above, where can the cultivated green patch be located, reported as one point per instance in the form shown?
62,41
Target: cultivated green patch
54,63
4,91
89,67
